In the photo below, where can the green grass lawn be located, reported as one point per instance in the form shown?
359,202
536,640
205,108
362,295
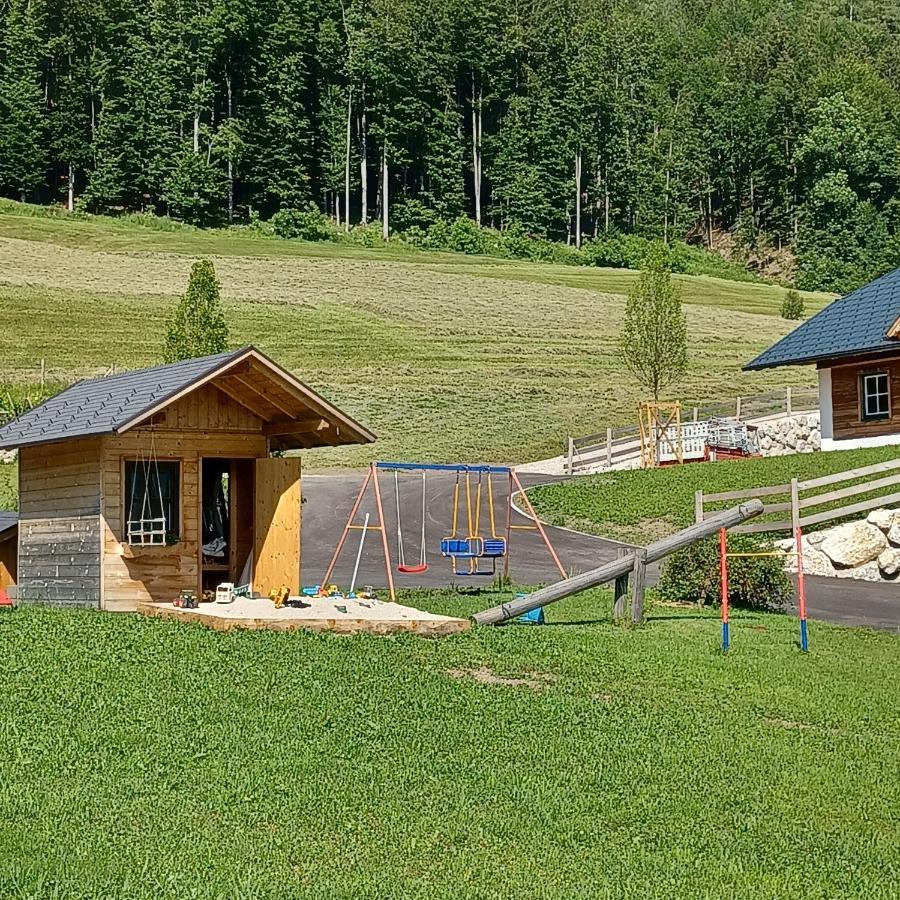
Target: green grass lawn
9,487
641,506
445,356
146,759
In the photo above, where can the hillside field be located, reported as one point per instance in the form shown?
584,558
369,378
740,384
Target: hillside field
144,759
444,356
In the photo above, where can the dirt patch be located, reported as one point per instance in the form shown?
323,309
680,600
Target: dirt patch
786,723
534,680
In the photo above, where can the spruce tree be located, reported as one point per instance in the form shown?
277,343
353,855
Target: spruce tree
23,114
197,326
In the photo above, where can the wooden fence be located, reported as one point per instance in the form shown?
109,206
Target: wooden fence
800,498
617,445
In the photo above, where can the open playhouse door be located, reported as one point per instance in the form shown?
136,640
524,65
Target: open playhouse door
276,550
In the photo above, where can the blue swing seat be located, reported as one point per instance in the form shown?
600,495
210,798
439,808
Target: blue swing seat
494,547
464,548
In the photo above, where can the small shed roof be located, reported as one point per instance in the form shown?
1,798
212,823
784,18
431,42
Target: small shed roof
850,326
295,416
8,521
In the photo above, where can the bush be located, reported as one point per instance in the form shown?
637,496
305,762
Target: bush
368,235
692,575
303,224
792,306
409,213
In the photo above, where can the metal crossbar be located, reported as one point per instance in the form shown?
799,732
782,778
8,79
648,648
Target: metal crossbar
441,467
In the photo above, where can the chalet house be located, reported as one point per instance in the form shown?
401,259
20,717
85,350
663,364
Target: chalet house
855,345
141,485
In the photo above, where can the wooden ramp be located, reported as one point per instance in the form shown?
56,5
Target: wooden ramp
321,614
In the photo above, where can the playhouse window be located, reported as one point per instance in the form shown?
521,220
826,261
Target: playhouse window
148,486
876,397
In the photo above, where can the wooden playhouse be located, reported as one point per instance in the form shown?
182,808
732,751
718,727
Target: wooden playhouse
135,487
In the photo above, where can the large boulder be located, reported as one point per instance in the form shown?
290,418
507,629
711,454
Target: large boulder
854,544
894,534
868,572
881,518
816,563
889,562
815,537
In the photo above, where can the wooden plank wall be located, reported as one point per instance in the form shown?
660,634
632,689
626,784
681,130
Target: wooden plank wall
59,523
161,572
208,409
845,399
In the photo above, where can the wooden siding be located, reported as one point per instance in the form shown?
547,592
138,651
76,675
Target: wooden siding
846,400
59,523
157,574
8,558
208,409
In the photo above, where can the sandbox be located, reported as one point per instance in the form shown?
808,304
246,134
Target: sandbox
319,614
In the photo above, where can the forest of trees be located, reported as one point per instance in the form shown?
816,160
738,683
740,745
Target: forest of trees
768,127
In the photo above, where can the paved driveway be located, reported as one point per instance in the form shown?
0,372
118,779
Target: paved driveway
329,499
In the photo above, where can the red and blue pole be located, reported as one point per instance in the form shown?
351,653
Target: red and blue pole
801,590
723,565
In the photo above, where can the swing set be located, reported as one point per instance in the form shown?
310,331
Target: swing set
473,544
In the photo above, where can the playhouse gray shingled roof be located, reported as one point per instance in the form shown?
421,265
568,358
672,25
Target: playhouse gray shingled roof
102,405
8,520
849,326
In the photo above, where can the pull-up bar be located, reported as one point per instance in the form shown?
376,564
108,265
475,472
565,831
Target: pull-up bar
442,467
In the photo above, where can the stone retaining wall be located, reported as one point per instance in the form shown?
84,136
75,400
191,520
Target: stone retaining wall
868,549
792,434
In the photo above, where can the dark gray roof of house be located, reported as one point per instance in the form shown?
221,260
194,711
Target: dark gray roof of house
102,405
8,520
849,326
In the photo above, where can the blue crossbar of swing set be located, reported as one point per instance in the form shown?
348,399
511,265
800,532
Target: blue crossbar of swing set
442,467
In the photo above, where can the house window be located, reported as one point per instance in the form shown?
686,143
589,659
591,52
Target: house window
876,397
152,502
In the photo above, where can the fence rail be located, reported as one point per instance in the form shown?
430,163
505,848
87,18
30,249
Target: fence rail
617,444
796,503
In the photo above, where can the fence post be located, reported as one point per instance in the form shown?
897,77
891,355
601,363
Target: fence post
698,506
43,372
696,413
609,448
789,402
638,585
571,455
621,589
795,506
737,409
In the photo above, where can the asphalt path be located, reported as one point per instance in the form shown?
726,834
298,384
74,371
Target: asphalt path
328,499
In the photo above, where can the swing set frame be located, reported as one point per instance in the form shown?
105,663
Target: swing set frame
371,480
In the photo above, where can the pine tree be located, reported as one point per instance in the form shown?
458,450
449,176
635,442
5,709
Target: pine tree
654,338
197,326
23,114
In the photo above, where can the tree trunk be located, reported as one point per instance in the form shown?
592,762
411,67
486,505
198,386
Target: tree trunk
363,167
347,161
385,195
71,202
230,163
578,197
476,148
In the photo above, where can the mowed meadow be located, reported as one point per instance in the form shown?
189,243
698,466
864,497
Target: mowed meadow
444,356
147,759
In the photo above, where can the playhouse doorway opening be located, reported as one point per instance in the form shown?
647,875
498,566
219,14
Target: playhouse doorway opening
226,515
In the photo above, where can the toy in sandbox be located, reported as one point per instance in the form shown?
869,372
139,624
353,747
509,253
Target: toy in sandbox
473,543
